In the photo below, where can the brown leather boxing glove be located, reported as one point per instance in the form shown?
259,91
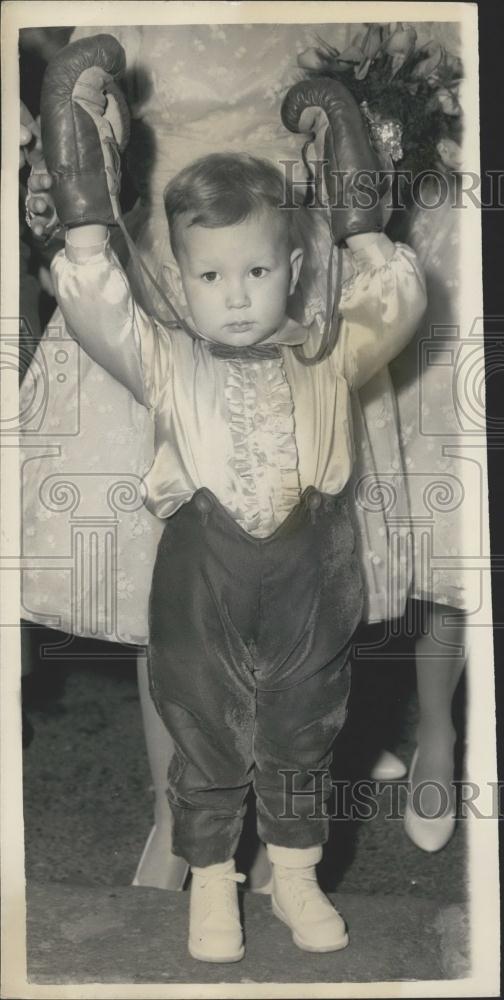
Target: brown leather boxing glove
351,172
84,124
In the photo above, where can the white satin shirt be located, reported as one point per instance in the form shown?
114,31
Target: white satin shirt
254,432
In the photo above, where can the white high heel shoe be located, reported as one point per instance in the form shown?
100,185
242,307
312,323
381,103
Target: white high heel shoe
429,833
388,767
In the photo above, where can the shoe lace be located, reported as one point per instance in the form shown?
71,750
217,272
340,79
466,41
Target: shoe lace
225,899
304,887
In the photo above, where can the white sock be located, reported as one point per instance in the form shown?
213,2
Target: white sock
222,868
294,857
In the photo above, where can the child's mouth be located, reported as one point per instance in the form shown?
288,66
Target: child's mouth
241,327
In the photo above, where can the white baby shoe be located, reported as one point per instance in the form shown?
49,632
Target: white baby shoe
298,901
215,933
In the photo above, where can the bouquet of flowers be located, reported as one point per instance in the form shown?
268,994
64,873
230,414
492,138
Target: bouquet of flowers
408,94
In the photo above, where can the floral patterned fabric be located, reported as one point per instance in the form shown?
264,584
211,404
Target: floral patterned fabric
431,418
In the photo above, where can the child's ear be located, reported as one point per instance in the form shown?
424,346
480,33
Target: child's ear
173,279
296,260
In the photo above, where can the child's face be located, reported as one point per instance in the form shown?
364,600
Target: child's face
237,278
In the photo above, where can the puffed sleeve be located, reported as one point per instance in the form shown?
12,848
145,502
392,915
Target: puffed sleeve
381,307
94,296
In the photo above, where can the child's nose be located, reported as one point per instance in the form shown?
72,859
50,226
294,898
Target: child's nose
237,296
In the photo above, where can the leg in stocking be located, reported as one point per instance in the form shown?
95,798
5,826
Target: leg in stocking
440,659
158,867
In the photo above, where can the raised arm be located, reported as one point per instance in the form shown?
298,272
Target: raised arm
96,301
84,122
382,305
381,308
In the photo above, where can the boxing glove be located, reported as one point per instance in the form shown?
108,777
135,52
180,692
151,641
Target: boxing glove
84,125
351,165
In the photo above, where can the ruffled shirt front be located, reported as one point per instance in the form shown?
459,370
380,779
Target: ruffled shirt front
254,432
265,458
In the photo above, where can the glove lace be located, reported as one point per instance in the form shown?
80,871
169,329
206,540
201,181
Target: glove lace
331,323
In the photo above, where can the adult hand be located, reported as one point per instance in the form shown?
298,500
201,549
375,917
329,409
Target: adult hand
40,211
25,138
30,143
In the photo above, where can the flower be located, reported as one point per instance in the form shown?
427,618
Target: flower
312,58
400,45
447,98
371,45
436,66
407,93
357,56
428,66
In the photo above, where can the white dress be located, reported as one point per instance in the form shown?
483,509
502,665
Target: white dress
426,378
87,540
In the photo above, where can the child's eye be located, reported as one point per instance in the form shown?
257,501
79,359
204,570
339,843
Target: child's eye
210,276
259,272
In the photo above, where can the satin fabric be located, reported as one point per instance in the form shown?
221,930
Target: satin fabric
186,388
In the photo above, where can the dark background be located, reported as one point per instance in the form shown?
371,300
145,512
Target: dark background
491,37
